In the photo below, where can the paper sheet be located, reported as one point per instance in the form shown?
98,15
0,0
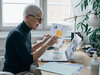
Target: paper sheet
59,68
60,31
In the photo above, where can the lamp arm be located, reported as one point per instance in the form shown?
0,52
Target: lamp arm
77,16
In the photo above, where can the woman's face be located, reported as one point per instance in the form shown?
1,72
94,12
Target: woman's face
34,21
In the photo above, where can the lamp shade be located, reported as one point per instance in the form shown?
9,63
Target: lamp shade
93,20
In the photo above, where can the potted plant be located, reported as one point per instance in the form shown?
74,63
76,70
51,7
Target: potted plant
94,34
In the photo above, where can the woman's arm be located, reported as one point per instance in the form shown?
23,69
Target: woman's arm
43,48
38,45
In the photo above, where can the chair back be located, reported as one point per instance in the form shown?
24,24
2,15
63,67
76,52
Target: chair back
5,73
1,66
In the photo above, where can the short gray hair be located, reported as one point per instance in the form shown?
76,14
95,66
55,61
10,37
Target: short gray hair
33,10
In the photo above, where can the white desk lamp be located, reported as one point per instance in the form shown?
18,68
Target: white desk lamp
75,18
92,21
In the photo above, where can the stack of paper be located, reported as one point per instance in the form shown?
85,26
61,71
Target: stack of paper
60,68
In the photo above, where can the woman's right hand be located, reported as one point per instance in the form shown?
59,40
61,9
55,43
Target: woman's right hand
45,38
52,41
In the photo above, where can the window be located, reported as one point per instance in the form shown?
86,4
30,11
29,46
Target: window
12,11
55,11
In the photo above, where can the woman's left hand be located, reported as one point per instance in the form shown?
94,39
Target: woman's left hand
45,38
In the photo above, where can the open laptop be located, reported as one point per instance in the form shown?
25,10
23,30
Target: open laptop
62,55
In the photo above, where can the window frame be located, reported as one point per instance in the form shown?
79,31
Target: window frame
42,4
0,14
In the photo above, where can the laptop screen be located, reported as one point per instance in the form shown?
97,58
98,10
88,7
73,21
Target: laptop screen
72,46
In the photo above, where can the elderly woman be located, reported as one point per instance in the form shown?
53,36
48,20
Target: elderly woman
20,56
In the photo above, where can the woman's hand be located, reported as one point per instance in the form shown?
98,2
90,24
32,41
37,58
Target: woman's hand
45,38
52,41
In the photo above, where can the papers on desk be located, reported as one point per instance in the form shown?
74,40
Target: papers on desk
53,56
78,65
61,68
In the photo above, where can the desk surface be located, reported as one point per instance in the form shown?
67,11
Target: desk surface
85,60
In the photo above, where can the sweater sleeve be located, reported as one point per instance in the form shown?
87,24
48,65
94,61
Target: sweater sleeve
20,46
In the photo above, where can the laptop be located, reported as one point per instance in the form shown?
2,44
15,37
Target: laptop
62,55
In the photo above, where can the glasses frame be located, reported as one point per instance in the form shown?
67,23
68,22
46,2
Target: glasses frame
38,18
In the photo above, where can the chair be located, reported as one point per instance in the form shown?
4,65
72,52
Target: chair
1,66
5,73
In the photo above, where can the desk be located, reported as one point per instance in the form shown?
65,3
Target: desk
85,60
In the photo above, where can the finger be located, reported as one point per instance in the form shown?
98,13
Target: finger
48,35
44,35
56,41
55,37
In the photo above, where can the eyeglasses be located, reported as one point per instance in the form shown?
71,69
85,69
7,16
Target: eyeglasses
39,19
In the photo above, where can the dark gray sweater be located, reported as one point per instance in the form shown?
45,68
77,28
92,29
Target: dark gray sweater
18,48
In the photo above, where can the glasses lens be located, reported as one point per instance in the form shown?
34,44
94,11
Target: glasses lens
31,15
40,20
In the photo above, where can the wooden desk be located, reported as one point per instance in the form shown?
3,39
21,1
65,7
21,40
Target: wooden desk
85,60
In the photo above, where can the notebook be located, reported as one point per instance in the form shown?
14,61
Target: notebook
62,55
61,68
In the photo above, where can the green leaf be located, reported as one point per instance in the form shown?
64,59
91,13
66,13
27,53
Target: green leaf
89,12
89,30
86,28
89,0
84,4
86,17
82,28
98,1
94,7
81,7
80,24
79,3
